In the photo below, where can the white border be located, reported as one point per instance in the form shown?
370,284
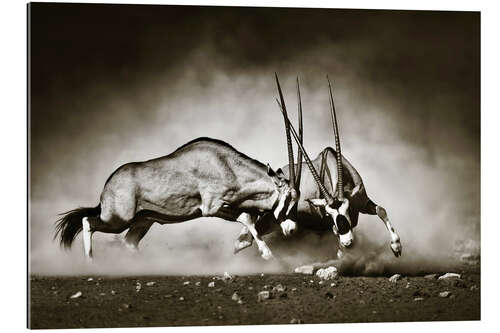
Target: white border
13,194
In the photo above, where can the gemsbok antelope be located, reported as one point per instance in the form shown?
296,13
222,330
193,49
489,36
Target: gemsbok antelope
203,178
331,199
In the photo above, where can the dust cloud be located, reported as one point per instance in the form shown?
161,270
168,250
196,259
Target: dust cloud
412,133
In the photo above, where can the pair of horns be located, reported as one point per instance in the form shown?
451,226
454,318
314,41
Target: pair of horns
294,177
302,150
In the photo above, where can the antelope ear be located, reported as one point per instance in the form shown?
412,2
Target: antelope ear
317,202
270,171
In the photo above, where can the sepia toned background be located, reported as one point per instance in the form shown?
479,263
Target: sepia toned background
114,84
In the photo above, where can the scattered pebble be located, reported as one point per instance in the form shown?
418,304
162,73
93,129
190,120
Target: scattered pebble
113,292
250,288
320,282
211,284
186,283
76,295
261,274
407,285
138,287
444,294
102,294
90,279
236,298
449,276
328,273
167,296
227,277
151,283
181,298
263,295
197,284
307,269
473,287
431,276
295,321
279,288
333,284
395,278
294,289
418,299
127,306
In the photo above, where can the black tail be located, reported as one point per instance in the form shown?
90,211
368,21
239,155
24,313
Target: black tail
70,224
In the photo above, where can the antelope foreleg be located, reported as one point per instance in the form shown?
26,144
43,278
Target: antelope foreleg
249,222
395,241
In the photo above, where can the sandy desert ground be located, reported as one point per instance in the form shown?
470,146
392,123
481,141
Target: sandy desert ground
189,300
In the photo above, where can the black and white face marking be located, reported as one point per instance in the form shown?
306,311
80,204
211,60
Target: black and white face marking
341,223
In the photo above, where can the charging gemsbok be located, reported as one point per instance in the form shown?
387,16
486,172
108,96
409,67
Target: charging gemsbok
205,177
333,203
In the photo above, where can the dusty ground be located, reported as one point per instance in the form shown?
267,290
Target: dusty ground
114,301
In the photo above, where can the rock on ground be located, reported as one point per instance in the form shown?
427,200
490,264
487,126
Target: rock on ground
76,295
328,273
263,295
307,269
449,276
395,278
444,294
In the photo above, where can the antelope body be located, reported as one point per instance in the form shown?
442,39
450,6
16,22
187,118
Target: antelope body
205,177
311,217
333,204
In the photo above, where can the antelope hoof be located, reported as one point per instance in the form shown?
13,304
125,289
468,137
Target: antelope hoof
241,245
267,254
396,248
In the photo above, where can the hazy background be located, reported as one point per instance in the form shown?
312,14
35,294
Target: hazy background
112,84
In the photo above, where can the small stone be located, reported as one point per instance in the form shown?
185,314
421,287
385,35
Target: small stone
250,288
407,285
197,284
320,282
279,288
261,275
328,273
102,294
449,276
240,301
211,284
167,296
113,292
186,283
395,278
181,298
76,295
90,279
444,294
473,287
138,287
333,284
418,299
306,269
294,289
431,276
127,306
227,277
263,295
236,297
150,284
295,321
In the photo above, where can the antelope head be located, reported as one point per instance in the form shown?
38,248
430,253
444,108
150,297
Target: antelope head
337,208
286,212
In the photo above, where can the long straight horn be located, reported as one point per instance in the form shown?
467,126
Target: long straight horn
340,183
322,188
301,136
288,138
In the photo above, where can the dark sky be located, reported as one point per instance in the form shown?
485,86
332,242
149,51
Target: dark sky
116,83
